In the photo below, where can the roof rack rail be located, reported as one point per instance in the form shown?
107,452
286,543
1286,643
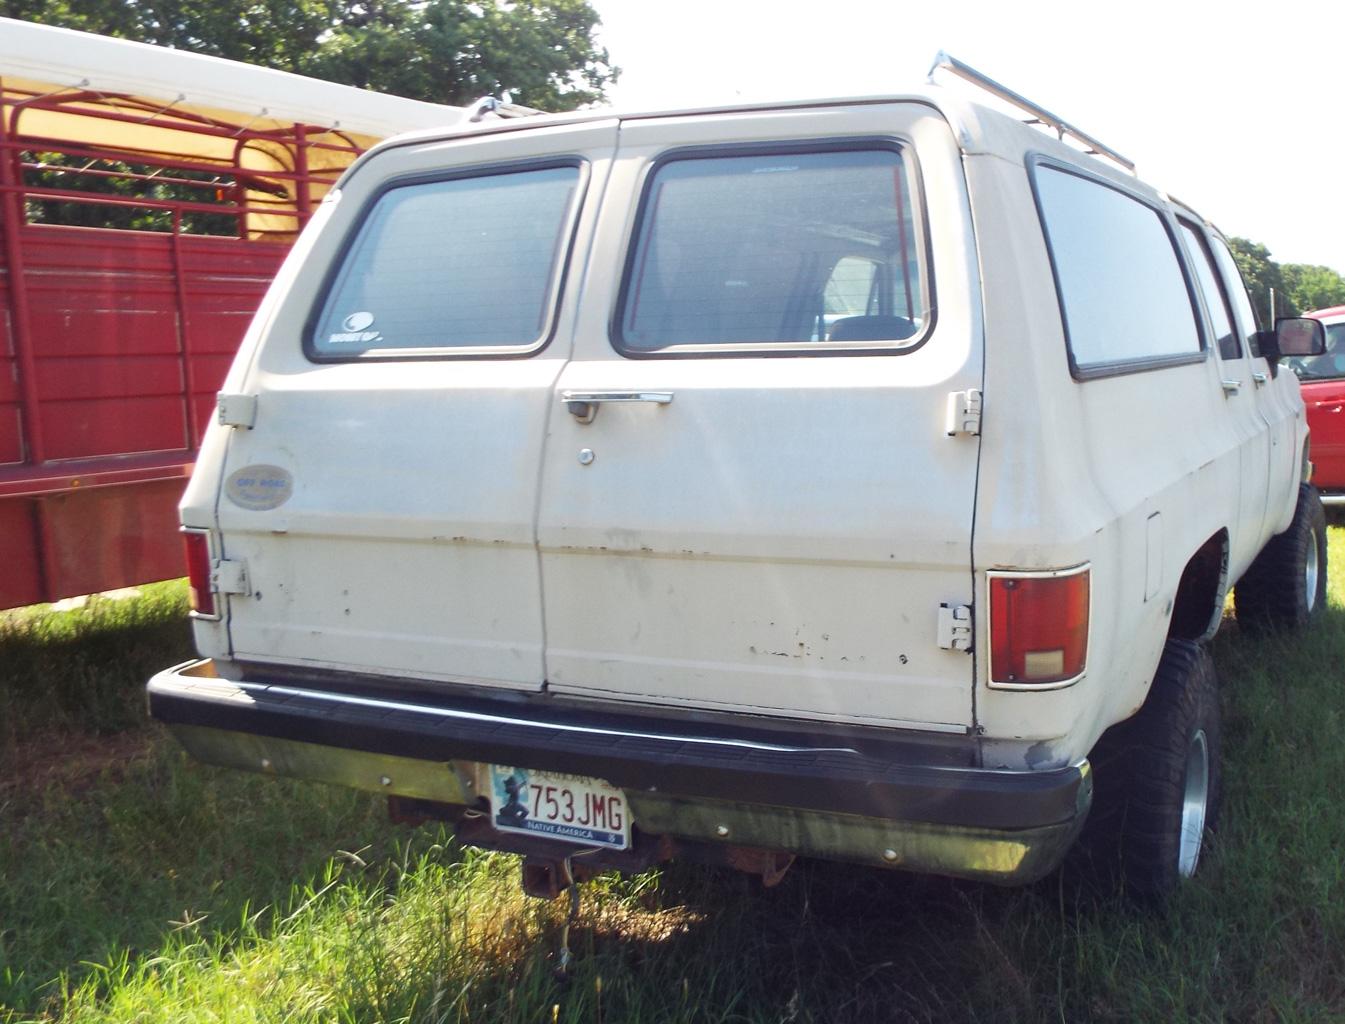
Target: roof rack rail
1040,115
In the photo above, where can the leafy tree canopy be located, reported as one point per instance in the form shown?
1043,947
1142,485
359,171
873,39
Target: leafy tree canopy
1313,287
542,52
1261,274
1298,287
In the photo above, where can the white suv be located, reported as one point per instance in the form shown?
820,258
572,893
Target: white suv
852,479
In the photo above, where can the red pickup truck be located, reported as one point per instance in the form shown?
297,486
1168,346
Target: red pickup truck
1322,381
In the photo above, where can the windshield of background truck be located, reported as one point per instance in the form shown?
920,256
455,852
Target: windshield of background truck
462,263
1330,365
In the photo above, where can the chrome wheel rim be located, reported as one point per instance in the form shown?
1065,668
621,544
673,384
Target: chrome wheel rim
1310,572
1195,799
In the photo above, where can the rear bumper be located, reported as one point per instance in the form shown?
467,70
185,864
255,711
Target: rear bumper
886,804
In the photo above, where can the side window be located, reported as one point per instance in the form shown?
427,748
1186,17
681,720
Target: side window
1216,300
776,251
1123,295
464,263
1242,303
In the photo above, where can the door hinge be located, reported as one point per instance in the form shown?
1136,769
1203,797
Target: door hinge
230,577
955,627
964,413
236,410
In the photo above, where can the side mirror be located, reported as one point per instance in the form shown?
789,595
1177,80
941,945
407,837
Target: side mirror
1294,336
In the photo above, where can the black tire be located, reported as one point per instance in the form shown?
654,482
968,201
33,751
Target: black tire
1286,585
1142,831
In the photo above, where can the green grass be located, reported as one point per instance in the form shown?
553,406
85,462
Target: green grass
84,670
156,889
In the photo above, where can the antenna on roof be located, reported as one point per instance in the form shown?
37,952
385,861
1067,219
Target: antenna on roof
1040,115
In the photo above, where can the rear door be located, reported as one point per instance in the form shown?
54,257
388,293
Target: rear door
1240,382
750,498
1325,401
383,503
1277,399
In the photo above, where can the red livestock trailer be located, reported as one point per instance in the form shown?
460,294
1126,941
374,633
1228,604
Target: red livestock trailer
147,197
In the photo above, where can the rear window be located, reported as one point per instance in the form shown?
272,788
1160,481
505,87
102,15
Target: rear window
781,251
1123,295
453,266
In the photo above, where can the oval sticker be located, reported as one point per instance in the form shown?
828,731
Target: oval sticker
259,488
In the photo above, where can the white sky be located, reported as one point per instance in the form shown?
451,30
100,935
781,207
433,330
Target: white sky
1237,109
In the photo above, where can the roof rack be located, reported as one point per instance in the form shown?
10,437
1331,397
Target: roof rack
489,106
1040,115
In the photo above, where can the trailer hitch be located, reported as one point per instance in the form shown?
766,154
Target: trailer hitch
546,877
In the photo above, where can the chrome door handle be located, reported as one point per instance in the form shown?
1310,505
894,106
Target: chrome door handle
1232,387
1260,379
583,405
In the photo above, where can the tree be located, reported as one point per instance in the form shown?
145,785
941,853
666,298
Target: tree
539,51
1261,273
542,52
1312,287
1299,287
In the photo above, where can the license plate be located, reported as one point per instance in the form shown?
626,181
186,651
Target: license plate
571,808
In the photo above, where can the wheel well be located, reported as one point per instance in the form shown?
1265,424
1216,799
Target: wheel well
1199,604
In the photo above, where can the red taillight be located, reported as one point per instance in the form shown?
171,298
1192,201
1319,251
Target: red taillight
1038,627
198,571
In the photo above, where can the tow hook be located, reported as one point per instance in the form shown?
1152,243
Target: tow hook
771,865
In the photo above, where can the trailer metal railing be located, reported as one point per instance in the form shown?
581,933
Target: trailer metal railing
136,247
